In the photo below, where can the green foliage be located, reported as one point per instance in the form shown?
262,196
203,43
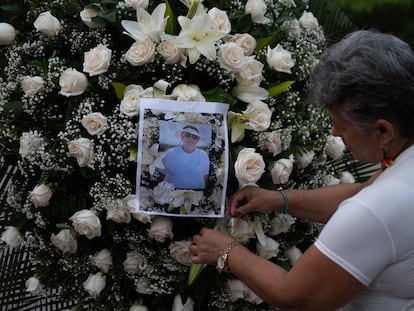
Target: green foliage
365,6
334,21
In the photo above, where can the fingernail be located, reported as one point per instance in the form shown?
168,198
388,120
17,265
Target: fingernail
236,214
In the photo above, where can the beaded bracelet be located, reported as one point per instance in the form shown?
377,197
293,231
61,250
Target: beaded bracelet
285,198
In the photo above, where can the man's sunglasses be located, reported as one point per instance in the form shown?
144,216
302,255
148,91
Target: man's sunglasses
188,135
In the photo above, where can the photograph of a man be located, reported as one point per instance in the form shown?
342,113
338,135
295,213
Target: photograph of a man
187,166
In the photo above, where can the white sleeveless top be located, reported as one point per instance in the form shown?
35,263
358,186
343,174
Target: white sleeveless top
371,236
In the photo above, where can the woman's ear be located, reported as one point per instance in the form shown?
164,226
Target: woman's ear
386,130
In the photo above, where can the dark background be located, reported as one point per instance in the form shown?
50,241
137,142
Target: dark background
393,16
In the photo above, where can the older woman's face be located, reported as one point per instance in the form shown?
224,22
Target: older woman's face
364,145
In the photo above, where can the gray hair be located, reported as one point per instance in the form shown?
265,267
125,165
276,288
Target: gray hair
367,76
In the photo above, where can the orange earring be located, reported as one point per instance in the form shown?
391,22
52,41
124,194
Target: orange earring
387,162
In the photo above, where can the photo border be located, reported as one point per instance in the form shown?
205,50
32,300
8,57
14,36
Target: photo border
157,197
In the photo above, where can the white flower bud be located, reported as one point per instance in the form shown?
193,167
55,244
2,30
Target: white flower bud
47,24
7,34
32,85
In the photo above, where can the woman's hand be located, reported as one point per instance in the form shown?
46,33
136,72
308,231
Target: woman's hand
207,245
254,199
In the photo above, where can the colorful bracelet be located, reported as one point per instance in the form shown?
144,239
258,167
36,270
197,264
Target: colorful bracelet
285,198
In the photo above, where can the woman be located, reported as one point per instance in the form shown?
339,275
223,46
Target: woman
364,257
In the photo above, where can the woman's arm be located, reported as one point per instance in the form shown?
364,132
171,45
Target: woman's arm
314,282
315,204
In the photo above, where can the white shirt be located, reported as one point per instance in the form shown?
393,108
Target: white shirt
371,236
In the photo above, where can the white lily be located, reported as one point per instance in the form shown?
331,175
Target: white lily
250,93
258,229
198,37
150,25
153,158
238,123
187,198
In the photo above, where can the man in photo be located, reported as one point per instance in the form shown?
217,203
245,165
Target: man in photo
187,166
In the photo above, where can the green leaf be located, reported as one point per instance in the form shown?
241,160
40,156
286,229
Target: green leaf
195,271
111,16
119,89
262,42
244,24
10,8
219,95
278,89
172,24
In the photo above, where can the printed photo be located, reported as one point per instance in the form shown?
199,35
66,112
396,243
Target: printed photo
182,158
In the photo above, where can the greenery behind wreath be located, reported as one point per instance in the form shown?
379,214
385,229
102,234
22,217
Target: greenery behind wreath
16,265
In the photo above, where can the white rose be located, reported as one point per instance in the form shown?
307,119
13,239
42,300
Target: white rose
220,20
32,85
12,237
188,92
281,170
136,4
72,82
180,251
130,201
64,241
86,223
330,180
97,60
305,159
40,195
170,52
134,263
293,253
179,306
143,286
236,289
249,166
95,123
103,260
251,73
86,16
272,142
132,96
242,231
33,286
271,249
231,57
119,212
239,290
279,59
160,229
94,284
259,116
7,34
141,52
347,178
47,24
281,224
143,217
251,296
138,308
246,41
334,147
292,28
309,21
82,150
257,9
